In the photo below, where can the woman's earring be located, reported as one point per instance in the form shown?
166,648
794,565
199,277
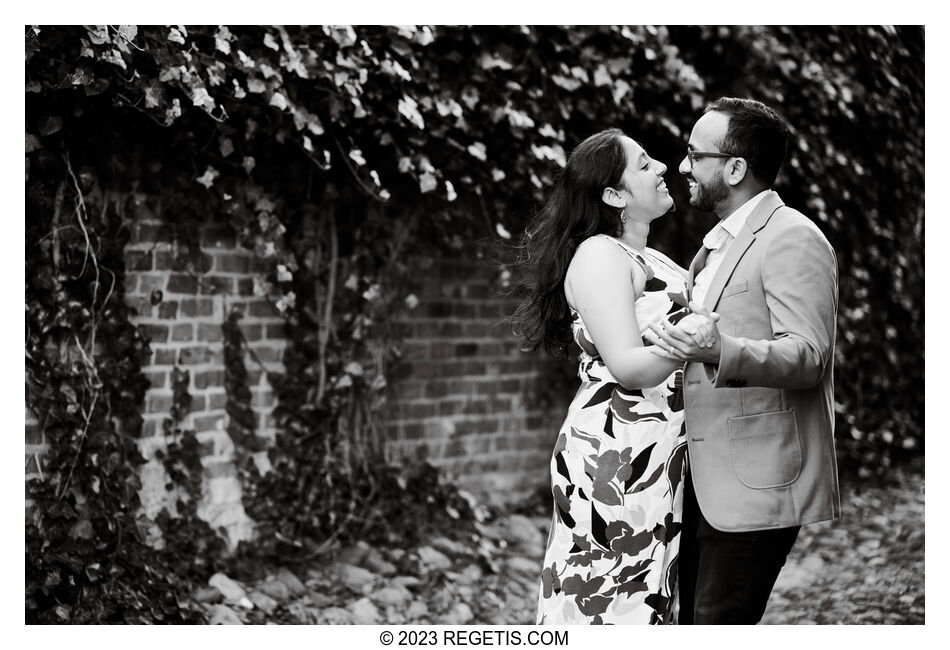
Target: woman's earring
623,216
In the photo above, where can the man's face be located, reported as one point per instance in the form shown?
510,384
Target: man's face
707,187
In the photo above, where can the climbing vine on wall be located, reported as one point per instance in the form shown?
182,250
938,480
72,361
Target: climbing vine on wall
339,155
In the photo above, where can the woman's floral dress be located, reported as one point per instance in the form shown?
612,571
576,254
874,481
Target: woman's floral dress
617,481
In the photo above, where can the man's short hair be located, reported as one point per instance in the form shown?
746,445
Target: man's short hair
756,133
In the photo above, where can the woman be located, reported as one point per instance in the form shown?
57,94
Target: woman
619,460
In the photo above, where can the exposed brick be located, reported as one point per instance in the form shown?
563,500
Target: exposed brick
217,401
510,385
245,287
412,431
252,332
477,329
450,329
410,389
165,261
278,331
441,350
436,389
155,333
182,283
477,407
210,332
450,407
149,282
422,410
476,426
426,369
464,310
151,427
479,290
522,365
466,349
231,263
218,236
197,307
182,332
168,309
157,379
198,404
425,329
164,357
141,306
136,261
151,232
266,354
129,282
217,284
197,354
209,379
159,402
209,422
437,309
263,308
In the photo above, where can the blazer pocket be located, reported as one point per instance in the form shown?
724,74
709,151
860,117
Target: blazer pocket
735,288
766,449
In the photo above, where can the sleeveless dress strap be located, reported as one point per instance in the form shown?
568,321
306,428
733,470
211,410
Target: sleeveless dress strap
638,258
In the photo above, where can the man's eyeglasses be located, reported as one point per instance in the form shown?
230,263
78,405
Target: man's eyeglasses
693,155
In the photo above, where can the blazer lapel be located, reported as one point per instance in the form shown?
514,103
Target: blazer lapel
737,248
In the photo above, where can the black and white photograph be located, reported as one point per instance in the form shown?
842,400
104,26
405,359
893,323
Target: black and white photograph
461,328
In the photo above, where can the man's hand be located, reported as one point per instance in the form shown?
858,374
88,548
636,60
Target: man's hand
696,338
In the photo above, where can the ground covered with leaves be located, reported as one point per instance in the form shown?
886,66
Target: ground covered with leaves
865,568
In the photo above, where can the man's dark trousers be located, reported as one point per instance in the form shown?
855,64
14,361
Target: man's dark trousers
726,578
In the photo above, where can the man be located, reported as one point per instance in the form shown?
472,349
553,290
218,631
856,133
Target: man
759,401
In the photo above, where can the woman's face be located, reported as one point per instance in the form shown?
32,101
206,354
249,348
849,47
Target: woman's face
642,185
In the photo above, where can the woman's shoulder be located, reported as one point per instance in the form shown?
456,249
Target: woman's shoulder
602,254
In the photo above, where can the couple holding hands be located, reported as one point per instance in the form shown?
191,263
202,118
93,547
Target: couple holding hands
701,437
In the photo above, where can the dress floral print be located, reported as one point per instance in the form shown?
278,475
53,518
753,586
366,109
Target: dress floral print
617,481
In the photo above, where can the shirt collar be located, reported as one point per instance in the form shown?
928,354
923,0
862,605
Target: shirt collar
732,224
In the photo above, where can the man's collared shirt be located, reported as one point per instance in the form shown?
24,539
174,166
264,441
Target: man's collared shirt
718,240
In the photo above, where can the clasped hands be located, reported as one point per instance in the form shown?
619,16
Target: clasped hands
694,338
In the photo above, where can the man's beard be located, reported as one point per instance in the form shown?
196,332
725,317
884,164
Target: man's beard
711,194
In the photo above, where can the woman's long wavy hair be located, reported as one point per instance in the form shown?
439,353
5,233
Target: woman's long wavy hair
572,212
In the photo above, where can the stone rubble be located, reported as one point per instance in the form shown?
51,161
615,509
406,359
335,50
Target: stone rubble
494,578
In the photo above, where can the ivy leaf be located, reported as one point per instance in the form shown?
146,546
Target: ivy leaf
222,40
207,179
128,32
51,125
175,36
278,100
32,143
409,108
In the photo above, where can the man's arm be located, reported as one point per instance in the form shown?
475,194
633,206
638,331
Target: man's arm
800,278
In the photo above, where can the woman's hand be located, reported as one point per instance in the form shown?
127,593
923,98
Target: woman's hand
700,327
694,338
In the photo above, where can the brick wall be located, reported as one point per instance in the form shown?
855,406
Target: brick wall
468,400
466,405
